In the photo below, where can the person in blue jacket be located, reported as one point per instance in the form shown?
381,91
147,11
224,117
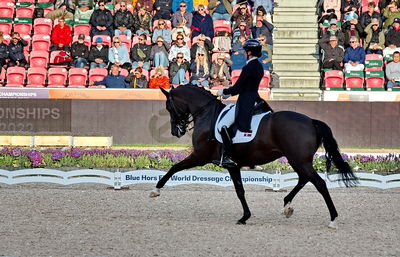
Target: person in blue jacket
202,23
354,56
176,3
114,80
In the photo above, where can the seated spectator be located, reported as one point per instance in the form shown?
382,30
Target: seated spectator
222,41
263,27
136,79
350,29
3,52
98,55
179,46
123,21
220,74
220,9
16,50
142,21
182,16
113,80
333,4
146,4
203,43
85,3
326,17
260,14
392,39
159,53
393,71
366,17
200,70
177,70
238,60
83,12
242,14
241,30
159,79
391,12
62,9
181,30
61,36
349,6
162,9
101,21
237,46
80,53
333,30
140,54
354,56
267,8
333,54
202,23
375,40
118,54
163,31
266,53
177,5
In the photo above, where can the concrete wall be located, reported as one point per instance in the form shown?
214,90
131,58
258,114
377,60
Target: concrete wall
354,124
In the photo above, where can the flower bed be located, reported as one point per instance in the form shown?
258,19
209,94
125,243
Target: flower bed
18,158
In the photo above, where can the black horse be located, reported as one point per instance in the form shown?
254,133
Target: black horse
284,133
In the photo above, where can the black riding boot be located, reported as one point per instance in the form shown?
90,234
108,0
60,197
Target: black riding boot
227,161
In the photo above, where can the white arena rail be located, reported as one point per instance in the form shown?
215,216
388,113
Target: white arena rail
118,179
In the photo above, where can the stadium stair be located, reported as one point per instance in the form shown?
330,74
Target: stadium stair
295,53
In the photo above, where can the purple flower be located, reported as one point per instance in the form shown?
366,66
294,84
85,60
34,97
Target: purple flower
16,152
35,157
57,155
76,153
283,160
153,155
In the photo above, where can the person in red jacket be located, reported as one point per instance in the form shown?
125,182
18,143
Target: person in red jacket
159,79
61,36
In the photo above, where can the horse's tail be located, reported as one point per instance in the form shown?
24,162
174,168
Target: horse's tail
325,136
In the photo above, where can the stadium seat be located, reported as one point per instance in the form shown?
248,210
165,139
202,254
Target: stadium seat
2,77
123,72
7,9
23,28
97,74
354,80
77,77
374,80
87,40
53,55
15,77
41,42
36,77
24,10
127,41
57,77
106,40
373,62
47,6
264,84
222,25
333,80
42,26
6,25
39,59
28,40
81,29
235,75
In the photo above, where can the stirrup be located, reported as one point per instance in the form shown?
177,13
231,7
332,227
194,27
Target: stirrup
228,162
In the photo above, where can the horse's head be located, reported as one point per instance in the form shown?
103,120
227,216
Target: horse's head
178,113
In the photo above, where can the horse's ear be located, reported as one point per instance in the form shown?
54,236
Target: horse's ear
165,92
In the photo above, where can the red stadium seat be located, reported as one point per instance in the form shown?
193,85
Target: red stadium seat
264,84
24,10
135,40
97,74
354,83
2,77
87,40
82,29
222,25
77,77
42,26
39,59
373,62
23,28
106,40
375,83
333,79
6,26
235,75
41,42
36,77
15,77
57,77
7,9
28,40
53,55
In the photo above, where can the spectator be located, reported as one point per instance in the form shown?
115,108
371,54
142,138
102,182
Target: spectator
237,46
391,12
366,17
159,79
16,51
393,71
179,47
263,27
349,6
266,53
140,54
220,74
200,69
163,31
241,30
83,13
182,16
326,17
146,4
333,4
267,7
159,53
242,14
393,35
98,55
80,53
113,80
354,56
178,69
202,23
142,21
101,21
203,43
375,41
136,79
162,9
123,21
260,14
332,53
62,9
181,30
350,29
333,30
61,36
220,9
177,5
3,52
118,54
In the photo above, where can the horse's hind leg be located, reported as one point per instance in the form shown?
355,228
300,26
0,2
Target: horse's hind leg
237,182
287,209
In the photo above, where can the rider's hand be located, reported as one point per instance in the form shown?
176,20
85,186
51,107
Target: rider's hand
220,92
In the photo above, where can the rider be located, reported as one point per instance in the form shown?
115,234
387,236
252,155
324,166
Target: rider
247,89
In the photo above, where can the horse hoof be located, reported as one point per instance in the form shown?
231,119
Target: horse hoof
288,212
155,193
241,222
333,225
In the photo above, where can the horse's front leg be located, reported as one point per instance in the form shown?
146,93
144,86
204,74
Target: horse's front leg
189,162
237,182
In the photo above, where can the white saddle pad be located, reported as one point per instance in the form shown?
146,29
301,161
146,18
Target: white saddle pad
227,117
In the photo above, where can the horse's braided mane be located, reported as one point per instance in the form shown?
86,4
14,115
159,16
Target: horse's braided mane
198,89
